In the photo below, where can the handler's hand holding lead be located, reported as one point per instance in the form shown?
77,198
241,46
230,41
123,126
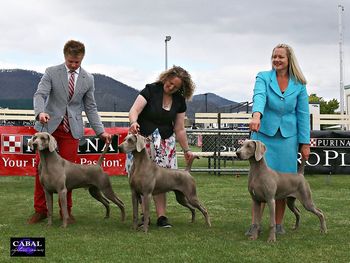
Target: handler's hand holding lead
106,137
134,128
44,117
188,155
254,124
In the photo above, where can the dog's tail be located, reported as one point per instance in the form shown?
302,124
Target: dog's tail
189,164
100,160
301,166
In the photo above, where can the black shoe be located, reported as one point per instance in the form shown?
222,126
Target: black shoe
162,221
280,229
143,220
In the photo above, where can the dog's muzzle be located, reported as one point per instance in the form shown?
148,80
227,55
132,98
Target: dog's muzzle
120,149
33,146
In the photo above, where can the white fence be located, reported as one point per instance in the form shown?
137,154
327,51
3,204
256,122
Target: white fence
215,120
239,120
227,129
28,115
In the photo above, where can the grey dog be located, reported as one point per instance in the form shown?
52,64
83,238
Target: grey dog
58,175
267,185
147,179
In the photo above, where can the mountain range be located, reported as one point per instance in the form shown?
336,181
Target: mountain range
17,87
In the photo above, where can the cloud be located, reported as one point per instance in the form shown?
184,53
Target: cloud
223,44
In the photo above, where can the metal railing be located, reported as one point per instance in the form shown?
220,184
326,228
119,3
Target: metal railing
27,118
219,147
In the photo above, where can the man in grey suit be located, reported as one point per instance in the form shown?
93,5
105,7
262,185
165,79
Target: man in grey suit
63,93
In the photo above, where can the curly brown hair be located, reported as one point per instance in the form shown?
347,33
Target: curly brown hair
188,86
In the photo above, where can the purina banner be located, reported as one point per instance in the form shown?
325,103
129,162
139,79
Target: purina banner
16,158
330,153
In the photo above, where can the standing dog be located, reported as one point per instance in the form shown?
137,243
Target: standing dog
147,179
267,185
58,175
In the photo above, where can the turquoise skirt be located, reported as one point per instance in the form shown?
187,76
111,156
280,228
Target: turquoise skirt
281,153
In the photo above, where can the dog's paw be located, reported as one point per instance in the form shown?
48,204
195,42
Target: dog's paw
271,239
323,231
253,237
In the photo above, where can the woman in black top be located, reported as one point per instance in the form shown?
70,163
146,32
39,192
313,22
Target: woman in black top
159,114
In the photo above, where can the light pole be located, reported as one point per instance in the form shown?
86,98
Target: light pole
167,39
341,10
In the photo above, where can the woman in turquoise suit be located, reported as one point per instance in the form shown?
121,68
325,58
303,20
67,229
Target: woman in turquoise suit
281,117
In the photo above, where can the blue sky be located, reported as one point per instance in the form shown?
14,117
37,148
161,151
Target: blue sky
222,43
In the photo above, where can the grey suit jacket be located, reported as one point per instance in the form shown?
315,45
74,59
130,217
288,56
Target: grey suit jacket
52,97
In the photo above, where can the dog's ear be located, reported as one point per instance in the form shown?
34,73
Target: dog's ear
30,142
52,143
260,150
140,143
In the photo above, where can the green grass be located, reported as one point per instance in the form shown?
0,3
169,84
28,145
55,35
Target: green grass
94,239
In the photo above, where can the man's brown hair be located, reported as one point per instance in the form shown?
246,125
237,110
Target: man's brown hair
74,48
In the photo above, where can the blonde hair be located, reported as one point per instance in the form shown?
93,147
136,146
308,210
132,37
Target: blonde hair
187,87
293,68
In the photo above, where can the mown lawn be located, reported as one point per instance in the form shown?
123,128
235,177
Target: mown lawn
94,239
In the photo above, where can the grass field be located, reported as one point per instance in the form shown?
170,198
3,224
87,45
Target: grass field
94,239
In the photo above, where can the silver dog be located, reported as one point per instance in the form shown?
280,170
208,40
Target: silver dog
58,175
267,185
147,179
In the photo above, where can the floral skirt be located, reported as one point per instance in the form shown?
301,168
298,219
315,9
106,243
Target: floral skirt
161,151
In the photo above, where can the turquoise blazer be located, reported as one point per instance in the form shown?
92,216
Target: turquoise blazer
288,112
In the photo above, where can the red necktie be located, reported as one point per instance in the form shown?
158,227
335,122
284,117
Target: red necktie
71,92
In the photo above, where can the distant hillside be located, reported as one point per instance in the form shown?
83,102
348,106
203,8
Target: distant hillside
18,83
18,86
112,95
210,102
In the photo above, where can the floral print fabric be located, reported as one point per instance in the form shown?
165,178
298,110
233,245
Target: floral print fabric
161,151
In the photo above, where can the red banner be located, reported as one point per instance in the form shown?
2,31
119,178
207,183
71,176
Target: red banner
17,159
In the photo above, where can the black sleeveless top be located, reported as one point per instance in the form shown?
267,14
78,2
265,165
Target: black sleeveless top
153,116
